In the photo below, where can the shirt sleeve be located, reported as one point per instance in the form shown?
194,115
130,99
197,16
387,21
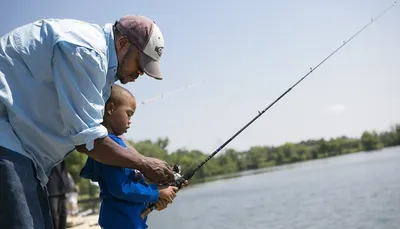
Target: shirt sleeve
120,186
79,77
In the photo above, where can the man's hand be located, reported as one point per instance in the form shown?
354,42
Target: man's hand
157,171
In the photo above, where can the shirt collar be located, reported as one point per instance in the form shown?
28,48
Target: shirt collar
112,54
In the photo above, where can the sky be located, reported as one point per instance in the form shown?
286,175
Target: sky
241,55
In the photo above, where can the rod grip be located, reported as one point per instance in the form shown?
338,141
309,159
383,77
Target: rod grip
147,211
179,180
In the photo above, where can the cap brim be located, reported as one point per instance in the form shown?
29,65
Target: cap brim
150,66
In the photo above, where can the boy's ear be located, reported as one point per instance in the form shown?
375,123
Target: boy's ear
109,108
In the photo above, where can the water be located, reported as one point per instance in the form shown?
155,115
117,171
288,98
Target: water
353,191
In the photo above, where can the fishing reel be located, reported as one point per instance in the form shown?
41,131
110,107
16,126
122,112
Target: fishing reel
177,176
181,178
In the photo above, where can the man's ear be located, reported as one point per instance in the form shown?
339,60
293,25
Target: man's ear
122,43
109,108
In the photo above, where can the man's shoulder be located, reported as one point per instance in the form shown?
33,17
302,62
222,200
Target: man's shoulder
79,33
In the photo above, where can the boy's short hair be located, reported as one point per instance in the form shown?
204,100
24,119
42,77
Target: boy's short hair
118,94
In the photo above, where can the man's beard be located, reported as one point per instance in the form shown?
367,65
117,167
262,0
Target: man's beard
121,67
120,70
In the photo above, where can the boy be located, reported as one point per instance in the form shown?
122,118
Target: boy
123,191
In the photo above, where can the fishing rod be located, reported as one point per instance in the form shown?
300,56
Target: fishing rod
179,179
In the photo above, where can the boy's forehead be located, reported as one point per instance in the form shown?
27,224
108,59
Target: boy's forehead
126,97
119,92
130,100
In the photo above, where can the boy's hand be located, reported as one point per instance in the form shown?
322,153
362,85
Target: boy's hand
185,183
161,204
167,193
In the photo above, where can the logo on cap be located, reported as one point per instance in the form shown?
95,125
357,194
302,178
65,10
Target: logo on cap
159,50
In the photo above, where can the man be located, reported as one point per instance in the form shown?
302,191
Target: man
55,76
58,187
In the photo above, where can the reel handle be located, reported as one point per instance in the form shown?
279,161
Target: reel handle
179,179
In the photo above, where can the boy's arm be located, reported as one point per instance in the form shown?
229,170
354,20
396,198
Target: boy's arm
121,187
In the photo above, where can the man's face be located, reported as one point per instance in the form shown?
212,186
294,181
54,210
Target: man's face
129,68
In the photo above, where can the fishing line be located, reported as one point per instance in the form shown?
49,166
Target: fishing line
287,91
189,174
161,96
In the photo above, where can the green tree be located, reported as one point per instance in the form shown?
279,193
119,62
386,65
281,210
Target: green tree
256,157
162,143
150,149
323,148
303,152
75,162
388,138
370,141
396,131
289,152
229,161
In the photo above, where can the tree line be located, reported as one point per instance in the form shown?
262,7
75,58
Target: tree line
231,161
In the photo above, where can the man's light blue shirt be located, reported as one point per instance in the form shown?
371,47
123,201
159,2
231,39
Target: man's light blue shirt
55,76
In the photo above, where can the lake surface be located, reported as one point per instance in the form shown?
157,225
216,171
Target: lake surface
359,190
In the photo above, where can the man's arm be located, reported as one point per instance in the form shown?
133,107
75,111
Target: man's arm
79,77
128,144
155,161
108,152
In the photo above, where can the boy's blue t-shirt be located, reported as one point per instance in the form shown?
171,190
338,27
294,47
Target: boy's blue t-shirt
123,191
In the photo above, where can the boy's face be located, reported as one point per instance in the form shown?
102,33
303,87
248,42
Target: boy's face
119,117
